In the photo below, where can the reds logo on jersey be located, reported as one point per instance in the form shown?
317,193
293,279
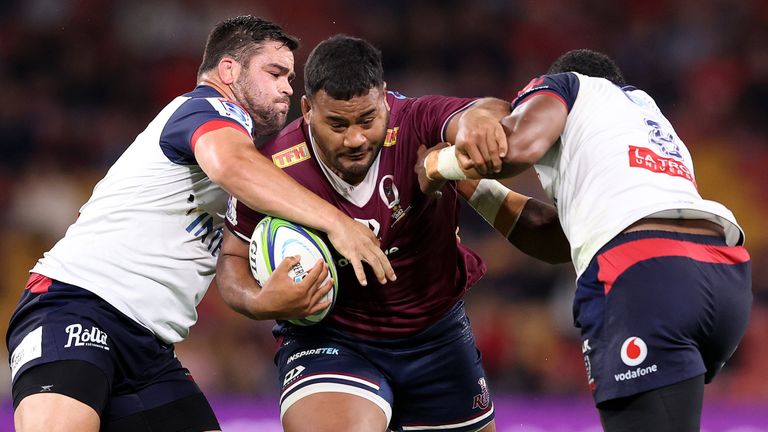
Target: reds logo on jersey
482,400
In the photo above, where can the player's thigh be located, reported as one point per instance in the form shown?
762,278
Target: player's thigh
330,383
673,408
332,411
441,380
490,427
181,414
52,412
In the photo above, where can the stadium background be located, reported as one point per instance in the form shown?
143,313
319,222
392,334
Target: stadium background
80,78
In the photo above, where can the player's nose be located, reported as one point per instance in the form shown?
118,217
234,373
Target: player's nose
286,88
354,137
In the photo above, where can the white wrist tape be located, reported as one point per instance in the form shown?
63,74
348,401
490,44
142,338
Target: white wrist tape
488,198
498,205
448,165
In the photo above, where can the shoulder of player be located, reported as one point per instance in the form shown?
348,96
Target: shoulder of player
204,98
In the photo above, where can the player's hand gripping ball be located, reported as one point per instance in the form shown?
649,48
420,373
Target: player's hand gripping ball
274,239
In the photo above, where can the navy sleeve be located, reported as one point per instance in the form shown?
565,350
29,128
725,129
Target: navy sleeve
564,86
195,117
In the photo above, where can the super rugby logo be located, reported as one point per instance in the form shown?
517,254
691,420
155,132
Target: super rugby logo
229,109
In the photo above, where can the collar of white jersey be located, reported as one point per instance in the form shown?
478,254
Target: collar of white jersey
358,194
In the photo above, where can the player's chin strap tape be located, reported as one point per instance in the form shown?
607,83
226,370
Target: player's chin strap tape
498,205
443,165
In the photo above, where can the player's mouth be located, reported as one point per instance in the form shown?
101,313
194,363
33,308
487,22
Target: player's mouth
356,156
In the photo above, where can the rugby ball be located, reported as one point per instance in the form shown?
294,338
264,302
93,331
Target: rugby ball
274,239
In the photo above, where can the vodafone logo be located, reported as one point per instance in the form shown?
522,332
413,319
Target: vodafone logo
633,351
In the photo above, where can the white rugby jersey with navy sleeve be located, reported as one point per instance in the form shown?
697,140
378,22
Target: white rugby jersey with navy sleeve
148,238
618,160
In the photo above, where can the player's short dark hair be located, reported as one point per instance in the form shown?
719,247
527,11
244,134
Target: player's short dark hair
240,38
343,66
590,63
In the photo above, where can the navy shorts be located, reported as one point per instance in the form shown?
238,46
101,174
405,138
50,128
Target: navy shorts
656,308
433,380
55,321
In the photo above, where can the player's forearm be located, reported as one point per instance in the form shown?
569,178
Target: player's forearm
446,164
237,287
529,224
260,185
498,205
538,233
277,194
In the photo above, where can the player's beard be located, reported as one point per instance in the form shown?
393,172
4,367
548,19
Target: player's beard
267,119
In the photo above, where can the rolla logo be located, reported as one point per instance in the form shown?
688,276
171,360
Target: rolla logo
92,337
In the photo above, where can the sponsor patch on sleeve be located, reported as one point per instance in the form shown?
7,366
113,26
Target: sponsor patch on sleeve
291,156
391,137
30,348
229,109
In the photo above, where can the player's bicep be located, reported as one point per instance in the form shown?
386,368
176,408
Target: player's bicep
215,149
533,127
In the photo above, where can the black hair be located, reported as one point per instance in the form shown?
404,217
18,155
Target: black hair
588,62
343,66
241,37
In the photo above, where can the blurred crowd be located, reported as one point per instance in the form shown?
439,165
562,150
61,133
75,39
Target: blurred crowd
80,78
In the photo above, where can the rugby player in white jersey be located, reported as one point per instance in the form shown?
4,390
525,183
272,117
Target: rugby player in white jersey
91,340
663,291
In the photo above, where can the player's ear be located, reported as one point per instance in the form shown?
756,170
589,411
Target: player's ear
384,92
305,108
228,70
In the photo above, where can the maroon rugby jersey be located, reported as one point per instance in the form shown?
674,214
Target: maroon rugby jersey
418,233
